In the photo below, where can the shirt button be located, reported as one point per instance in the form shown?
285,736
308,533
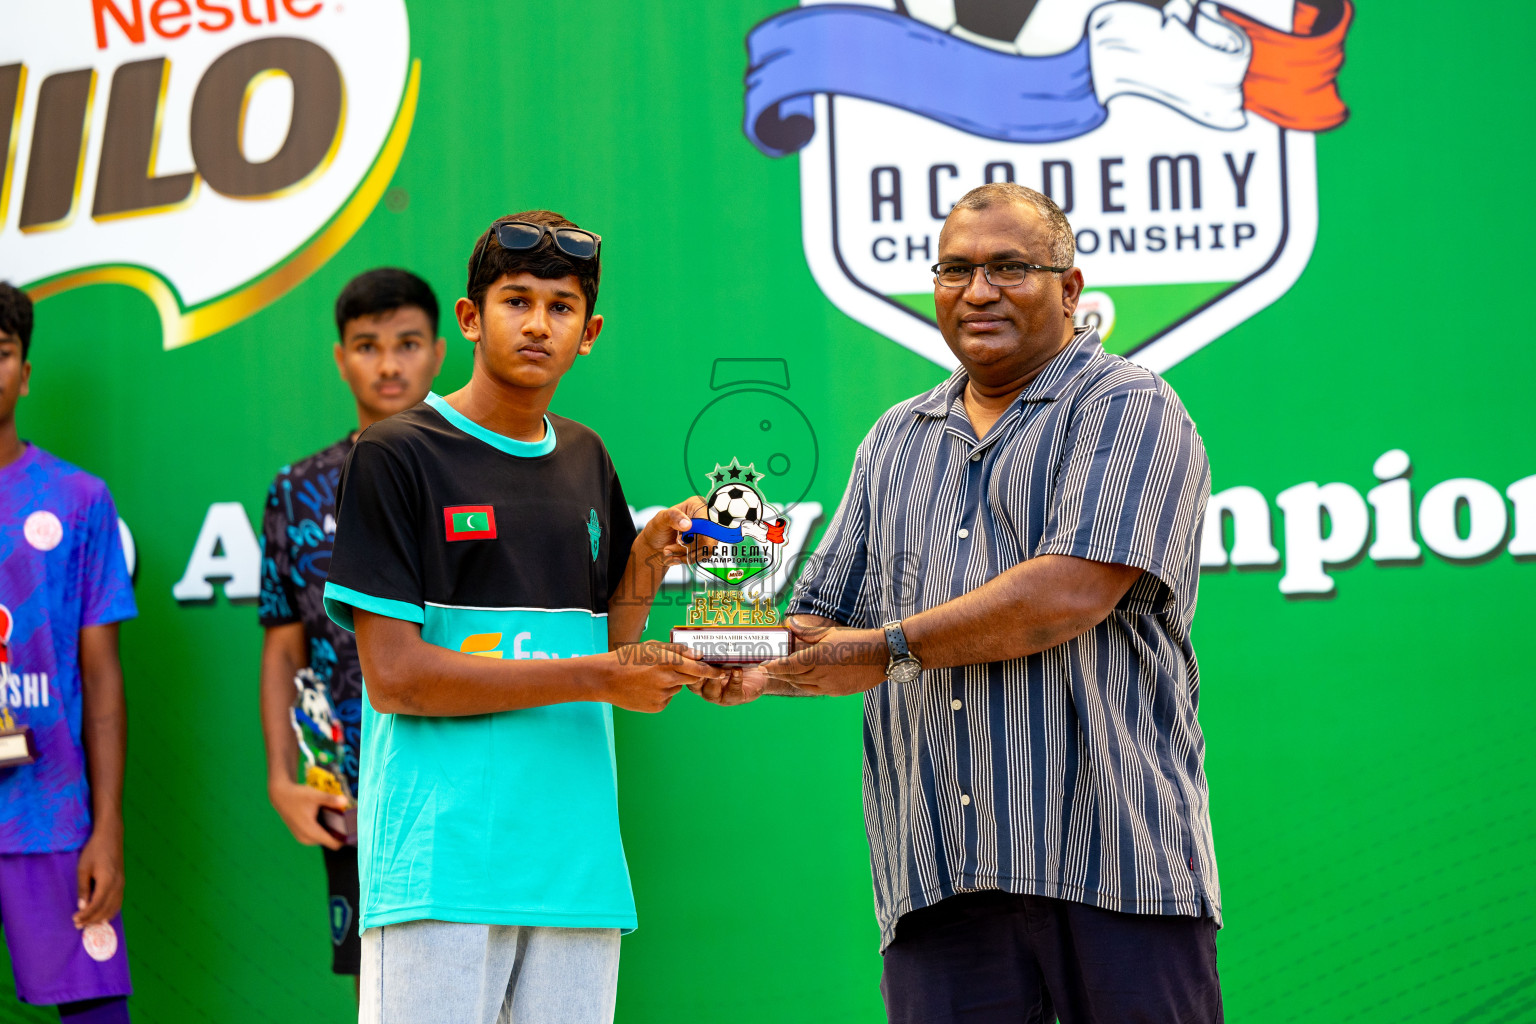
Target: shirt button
956,704
976,457
964,533
965,801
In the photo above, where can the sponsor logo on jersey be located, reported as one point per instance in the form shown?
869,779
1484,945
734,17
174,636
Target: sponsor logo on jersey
488,645
7,623
482,645
43,530
18,689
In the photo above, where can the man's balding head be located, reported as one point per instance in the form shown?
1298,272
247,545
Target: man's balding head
1062,245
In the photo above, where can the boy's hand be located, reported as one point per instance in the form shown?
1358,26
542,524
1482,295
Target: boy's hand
663,535
645,677
100,876
299,807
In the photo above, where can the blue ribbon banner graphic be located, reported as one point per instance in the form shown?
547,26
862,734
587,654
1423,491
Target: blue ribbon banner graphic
888,58
1207,61
714,531
766,533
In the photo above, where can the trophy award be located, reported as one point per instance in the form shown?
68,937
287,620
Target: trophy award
732,619
17,747
322,748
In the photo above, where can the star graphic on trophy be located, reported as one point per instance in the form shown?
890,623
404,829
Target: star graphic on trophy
735,472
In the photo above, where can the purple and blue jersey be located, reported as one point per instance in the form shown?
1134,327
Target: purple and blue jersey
61,569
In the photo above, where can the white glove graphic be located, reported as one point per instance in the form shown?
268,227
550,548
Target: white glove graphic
1192,60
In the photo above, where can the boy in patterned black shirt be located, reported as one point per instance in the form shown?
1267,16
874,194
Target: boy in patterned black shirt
388,353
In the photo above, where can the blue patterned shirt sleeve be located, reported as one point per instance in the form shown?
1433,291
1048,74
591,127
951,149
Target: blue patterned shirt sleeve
106,590
276,605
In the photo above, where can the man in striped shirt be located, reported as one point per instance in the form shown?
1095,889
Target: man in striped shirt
1010,581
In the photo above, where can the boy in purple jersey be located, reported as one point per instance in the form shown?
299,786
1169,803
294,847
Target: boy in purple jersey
64,587
388,353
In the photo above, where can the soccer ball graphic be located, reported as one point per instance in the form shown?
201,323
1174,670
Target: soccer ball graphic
315,704
1035,28
735,504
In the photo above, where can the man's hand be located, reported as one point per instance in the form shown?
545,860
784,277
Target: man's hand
645,677
100,876
299,807
834,662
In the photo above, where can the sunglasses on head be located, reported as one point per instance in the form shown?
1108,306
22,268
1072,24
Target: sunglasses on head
523,236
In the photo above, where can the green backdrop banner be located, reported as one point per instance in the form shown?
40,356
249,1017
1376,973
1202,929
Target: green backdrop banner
186,187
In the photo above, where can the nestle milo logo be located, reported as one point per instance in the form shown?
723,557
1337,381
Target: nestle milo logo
138,136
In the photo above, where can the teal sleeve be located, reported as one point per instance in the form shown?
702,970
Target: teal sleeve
340,601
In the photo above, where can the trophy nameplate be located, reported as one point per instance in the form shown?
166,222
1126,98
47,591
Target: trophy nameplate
726,628
732,618
17,744
17,747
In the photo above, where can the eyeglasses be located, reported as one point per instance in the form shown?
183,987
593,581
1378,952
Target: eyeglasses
999,273
524,236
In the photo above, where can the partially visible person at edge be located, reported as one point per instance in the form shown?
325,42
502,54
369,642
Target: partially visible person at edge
388,353
486,555
1035,788
64,587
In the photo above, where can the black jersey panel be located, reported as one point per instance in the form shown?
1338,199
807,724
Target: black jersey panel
432,515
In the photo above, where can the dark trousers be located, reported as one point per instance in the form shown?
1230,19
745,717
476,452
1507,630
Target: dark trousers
993,957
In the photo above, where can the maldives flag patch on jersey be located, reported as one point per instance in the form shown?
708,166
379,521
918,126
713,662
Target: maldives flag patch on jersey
469,522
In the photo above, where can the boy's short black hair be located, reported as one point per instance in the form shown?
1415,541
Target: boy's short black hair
489,262
381,291
16,315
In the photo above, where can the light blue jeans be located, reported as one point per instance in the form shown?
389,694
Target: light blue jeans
441,972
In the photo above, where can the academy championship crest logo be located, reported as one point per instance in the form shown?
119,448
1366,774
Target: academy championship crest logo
211,155
747,531
1177,137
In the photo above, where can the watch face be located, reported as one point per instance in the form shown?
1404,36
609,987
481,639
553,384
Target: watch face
904,671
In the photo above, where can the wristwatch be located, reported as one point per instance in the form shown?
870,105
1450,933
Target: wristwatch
904,666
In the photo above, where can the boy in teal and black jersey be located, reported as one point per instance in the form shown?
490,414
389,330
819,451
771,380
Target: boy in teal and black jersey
486,559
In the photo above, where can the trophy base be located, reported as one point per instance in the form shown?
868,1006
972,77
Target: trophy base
728,646
17,747
341,824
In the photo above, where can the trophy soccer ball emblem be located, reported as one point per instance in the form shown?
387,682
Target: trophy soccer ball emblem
725,625
736,504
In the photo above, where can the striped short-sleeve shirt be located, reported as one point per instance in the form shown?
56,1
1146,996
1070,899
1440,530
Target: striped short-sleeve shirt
1075,773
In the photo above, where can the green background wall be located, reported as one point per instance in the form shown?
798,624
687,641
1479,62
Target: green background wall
1369,755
